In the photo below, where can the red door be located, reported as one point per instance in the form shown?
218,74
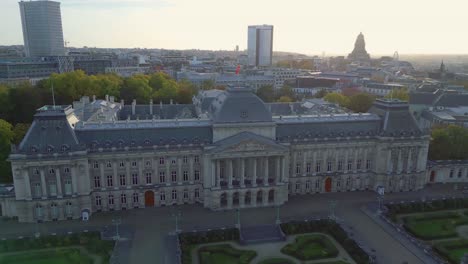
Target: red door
149,198
432,176
328,185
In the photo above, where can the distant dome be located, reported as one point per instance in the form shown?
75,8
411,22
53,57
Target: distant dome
239,105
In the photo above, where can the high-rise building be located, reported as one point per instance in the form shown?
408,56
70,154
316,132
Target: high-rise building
260,45
42,28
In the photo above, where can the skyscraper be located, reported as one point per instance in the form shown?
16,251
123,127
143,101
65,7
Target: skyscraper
260,45
42,28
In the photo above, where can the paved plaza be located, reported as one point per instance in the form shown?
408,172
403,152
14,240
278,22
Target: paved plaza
145,230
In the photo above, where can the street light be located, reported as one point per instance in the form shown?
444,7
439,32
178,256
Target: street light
278,221
332,206
238,224
117,222
176,216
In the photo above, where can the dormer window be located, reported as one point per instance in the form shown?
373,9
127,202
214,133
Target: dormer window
36,172
107,144
64,148
243,114
66,170
50,149
133,143
51,171
33,149
147,142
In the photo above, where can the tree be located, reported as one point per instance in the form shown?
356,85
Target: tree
361,102
266,93
6,105
186,91
321,93
136,87
286,91
25,100
19,131
337,98
6,137
449,142
207,84
401,94
285,99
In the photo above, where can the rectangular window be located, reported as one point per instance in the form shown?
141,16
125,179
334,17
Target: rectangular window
98,200
123,198
329,166
459,173
173,161
451,173
298,168
97,182
134,178
122,180
174,195
298,186
110,181
162,196
197,175
317,166
111,199
122,164
368,164
350,165
135,198
308,167
196,159
185,176
148,164
185,159
109,164
174,176
340,165
66,170
37,189
197,193
317,184
148,178
96,165
185,194
53,189
358,164
134,163
161,161
308,185
162,177
68,187
338,182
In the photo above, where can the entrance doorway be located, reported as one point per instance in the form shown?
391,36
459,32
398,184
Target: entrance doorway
432,179
149,199
328,185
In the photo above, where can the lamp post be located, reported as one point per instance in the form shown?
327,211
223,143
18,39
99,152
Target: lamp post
116,222
332,206
238,223
278,220
176,216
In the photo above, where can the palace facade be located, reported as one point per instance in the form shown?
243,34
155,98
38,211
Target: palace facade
227,150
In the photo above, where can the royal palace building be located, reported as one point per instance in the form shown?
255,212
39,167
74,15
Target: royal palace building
227,150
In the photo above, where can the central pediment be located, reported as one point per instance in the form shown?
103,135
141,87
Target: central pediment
247,142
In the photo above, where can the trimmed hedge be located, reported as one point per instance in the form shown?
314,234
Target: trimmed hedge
188,240
298,248
205,254
434,226
429,206
331,228
444,249
91,241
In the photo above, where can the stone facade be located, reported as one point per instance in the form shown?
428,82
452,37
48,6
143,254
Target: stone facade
239,156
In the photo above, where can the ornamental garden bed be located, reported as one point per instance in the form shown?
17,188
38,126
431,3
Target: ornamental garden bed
435,222
90,241
311,247
225,254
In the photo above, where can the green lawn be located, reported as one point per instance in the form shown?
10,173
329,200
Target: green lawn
58,256
453,250
434,225
333,262
311,247
276,261
225,254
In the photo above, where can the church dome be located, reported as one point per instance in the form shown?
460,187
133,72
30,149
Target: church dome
239,105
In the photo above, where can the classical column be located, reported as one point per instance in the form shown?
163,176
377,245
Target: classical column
365,159
213,173
58,182
229,172
283,169
218,173
399,162
242,171
191,173
408,163
27,184
74,180
101,175
116,177
154,166
304,161
266,171
356,151
389,161
168,175
43,185
180,176
294,165
314,163
127,174
278,168
241,199
254,175
229,200
140,172
345,165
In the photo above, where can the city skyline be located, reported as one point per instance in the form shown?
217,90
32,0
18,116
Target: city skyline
172,24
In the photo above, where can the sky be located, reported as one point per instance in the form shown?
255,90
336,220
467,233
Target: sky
304,26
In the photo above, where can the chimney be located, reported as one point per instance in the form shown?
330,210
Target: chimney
151,107
133,106
112,99
107,98
94,98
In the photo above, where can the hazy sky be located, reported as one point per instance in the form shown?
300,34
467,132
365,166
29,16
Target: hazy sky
307,26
